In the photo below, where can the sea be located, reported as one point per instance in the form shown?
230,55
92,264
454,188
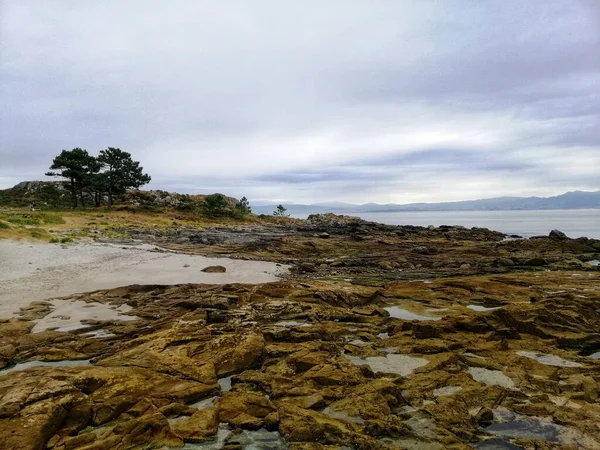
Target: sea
574,223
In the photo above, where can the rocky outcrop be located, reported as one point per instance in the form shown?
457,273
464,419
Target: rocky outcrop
334,246
314,363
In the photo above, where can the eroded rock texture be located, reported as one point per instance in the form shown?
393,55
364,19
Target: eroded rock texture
496,360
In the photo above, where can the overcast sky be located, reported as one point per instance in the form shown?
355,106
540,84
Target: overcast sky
310,101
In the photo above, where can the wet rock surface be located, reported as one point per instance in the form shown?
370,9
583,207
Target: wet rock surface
316,362
357,249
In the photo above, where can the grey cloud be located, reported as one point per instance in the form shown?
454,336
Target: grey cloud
309,101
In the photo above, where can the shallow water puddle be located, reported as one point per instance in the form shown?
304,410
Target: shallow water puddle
99,334
32,364
258,440
549,360
446,390
481,308
292,323
357,343
177,419
341,415
496,444
404,314
225,383
204,404
395,364
423,427
515,426
69,315
491,377
526,428
473,355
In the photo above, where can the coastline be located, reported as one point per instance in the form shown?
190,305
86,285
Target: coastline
384,336
32,271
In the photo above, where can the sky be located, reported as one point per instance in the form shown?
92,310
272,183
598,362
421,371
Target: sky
388,101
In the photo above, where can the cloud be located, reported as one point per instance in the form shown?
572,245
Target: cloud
310,101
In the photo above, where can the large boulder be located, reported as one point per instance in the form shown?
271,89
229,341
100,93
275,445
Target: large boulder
557,234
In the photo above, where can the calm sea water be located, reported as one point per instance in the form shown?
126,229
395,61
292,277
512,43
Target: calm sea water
575,223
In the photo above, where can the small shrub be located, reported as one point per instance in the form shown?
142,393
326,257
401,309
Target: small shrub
216,205
242,209
66,240
54,240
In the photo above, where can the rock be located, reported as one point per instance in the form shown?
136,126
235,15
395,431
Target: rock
167,362
422,250
536,262
585,386
202,425
506,262
465,266
304,425
186,265
149,431
484,416
425,331
33,426
336,374
307,267
556,234
324,235
314,401
215,269
244,409
385,265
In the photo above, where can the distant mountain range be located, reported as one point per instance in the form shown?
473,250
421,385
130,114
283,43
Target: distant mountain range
570,200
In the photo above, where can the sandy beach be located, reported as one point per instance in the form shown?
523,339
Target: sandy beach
33,271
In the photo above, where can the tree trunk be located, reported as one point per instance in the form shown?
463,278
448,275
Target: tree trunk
74,192
110,199
97,197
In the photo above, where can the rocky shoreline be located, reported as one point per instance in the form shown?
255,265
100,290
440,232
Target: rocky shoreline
381,337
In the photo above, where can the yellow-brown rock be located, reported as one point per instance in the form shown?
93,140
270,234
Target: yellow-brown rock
200,426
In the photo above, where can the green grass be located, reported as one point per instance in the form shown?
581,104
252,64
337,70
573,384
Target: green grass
33,219
51,218
4,226
37,233
23,221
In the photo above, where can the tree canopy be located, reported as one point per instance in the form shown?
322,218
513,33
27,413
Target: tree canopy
78,166
112,172
280,211
119,172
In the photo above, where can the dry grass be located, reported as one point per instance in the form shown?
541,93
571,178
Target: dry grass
19,223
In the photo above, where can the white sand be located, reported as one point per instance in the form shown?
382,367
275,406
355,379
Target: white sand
30,272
